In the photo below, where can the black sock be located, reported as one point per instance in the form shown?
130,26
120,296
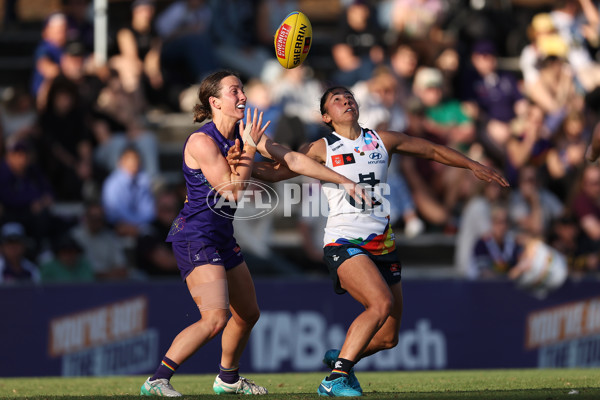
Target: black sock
341,368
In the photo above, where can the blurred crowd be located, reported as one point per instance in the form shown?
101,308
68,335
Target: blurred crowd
514,87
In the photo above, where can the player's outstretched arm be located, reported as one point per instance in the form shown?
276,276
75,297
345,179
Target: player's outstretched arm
290,163
397,142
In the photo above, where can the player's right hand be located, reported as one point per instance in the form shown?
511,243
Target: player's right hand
255,131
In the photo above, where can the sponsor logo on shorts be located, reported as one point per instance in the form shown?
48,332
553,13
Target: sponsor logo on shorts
395,269
353,251
335,257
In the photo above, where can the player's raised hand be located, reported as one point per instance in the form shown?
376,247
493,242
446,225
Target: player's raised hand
488,174
253,130
233,156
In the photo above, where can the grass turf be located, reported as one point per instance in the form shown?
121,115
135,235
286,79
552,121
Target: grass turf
525,384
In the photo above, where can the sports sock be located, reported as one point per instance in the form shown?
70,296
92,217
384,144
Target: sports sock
165,370
341,368
229,375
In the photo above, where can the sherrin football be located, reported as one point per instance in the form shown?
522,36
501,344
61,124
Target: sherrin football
293,39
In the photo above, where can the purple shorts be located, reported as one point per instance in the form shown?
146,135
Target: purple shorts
190,255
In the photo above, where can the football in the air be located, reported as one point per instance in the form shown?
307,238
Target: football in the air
293,39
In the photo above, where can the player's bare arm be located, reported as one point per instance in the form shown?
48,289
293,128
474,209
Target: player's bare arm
292,163
397,142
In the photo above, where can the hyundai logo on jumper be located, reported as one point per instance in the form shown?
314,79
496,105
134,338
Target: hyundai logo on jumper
375,156
258,200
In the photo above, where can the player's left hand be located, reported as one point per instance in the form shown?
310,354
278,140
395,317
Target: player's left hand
233,156
488,174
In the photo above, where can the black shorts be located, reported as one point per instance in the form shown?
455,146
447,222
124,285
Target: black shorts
388,264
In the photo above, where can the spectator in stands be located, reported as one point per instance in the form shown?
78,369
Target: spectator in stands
298,90
138,59
420,19
497,251
101,246
269,15
475,221
445,122
529,142
110,144
79,26
89,79
152,254
565,159
419,175
565,237
444,118
65,147
14,266
547,77
586,208
404,61
48,52
26,194
540,268
234,31
532,206
127,195
578,23
187,53
17,114
494,94
358,47
68,263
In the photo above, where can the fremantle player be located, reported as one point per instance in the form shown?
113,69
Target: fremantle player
359,245
210,261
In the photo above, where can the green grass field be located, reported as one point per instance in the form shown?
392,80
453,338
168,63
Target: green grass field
551,384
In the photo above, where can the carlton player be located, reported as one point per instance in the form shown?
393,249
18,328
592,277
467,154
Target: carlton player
359,246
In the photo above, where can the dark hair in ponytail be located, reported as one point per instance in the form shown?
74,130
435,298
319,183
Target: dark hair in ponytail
209,87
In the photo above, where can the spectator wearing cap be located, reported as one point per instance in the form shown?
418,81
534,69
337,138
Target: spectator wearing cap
494,95
48,52
445,118
577,22
548,78
68,263
14,267
26,194
444,122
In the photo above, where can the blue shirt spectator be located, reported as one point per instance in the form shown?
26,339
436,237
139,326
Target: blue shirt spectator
48,53
127,194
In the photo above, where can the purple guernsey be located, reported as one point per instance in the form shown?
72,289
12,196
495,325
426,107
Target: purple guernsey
205,217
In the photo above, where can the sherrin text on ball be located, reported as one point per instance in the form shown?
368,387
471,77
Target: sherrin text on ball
293,40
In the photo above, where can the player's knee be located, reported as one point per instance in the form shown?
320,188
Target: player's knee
390,342
216,322
383,308
251,318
